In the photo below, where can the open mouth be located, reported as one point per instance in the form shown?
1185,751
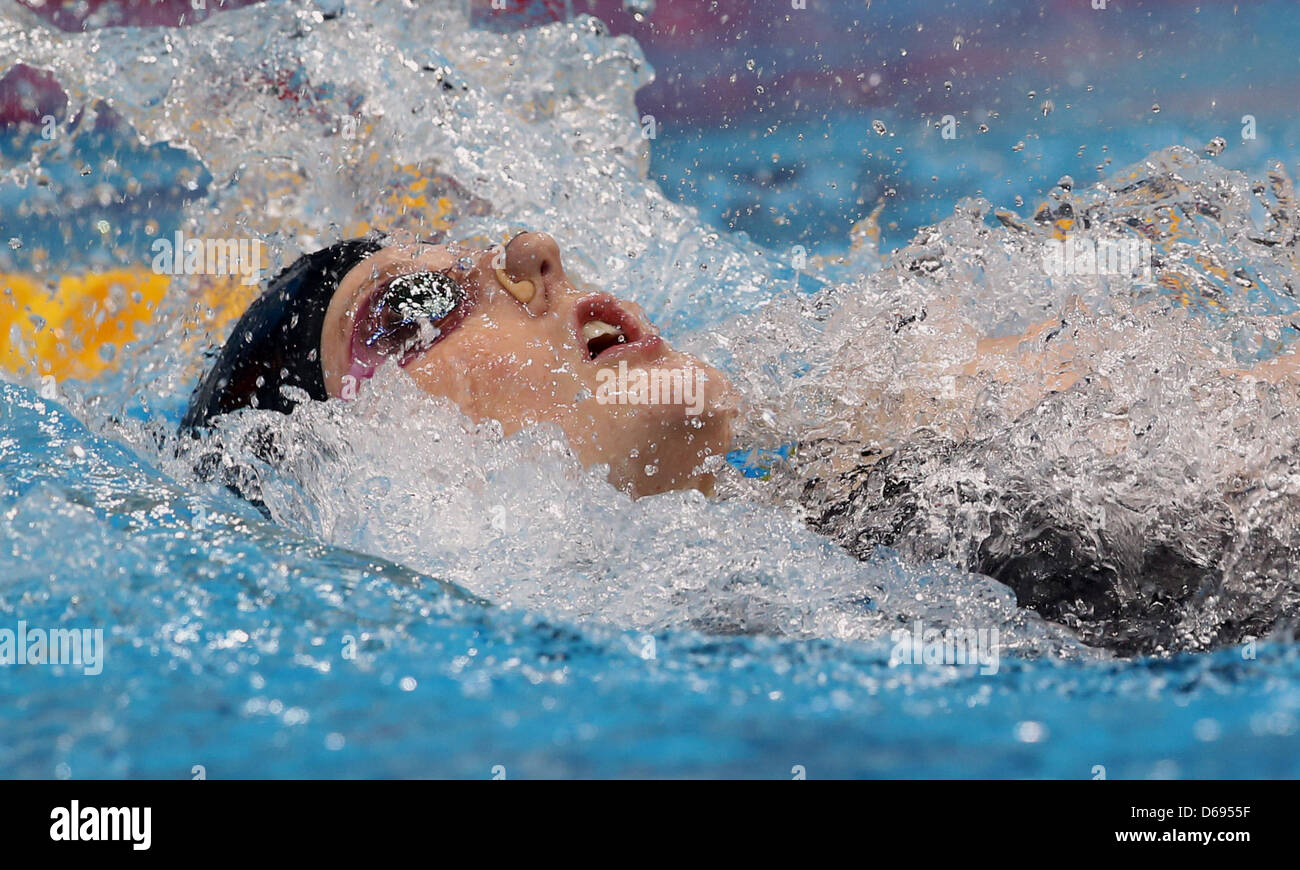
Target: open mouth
601,336
605,328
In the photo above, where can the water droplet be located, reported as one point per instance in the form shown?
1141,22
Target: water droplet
640,9
1031,732
1215,146
879,127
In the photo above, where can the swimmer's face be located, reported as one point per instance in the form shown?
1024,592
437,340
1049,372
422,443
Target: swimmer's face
507,336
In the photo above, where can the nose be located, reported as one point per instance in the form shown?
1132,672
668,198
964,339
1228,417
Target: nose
534,257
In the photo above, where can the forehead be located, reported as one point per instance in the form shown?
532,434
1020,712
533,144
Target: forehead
423,256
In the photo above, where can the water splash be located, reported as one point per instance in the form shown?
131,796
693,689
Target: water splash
519,522
1148,500
315,122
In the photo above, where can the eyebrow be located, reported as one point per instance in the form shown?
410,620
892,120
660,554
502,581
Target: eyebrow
407,265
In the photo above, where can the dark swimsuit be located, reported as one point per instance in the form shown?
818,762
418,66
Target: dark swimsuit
929,501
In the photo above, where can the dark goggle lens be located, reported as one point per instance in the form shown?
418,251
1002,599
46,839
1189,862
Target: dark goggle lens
411,313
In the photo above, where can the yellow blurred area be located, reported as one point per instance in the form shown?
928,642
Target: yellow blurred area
63,331
63,328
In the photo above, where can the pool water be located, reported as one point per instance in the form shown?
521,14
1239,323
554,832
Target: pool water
432,599
227,636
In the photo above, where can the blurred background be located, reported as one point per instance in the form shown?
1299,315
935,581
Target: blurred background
792,124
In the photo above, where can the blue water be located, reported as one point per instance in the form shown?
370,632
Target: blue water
238,648
225,638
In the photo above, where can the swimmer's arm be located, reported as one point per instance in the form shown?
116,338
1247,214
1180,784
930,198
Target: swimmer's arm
1041,350
1010,357
1285,367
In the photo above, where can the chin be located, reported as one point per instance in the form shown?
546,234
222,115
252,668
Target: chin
682,467
639,486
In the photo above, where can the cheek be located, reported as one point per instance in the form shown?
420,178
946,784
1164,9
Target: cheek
696,419
503,371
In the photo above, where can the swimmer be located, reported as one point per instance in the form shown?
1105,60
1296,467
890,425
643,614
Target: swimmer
507,336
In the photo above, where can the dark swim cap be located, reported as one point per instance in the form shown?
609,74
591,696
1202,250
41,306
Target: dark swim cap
277,341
